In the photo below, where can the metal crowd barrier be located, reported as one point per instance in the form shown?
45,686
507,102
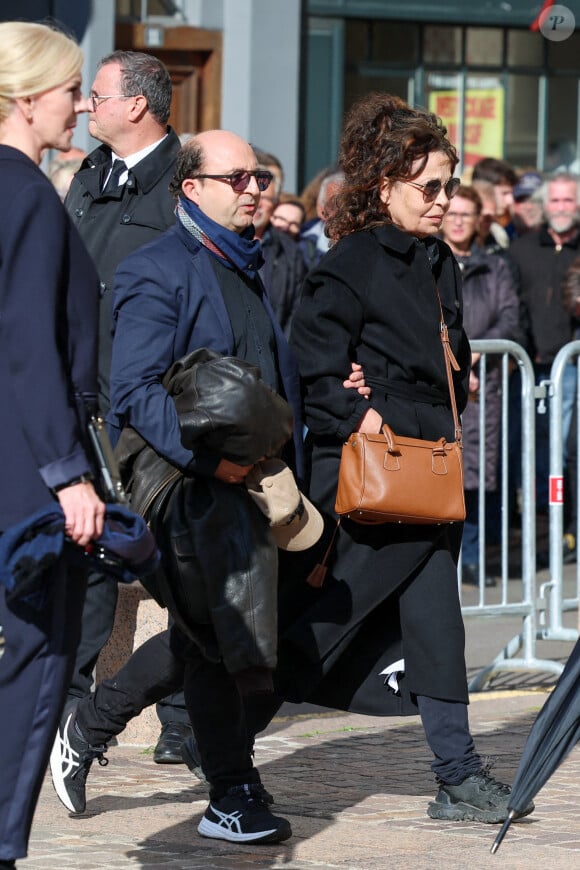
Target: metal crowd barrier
519,654
551,601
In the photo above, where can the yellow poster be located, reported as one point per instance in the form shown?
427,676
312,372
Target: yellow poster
483,121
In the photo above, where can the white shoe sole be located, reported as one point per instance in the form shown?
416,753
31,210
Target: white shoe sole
56,766
219,832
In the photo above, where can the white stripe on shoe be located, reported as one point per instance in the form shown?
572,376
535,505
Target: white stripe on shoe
63,762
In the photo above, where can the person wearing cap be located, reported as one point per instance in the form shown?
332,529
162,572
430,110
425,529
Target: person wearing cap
197,286
527,207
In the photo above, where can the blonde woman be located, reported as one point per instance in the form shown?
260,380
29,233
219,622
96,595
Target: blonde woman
48,330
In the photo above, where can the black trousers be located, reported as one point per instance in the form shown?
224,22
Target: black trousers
216,709
97,625
226,728
35,670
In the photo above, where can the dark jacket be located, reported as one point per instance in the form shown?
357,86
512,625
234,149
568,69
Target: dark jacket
542,267
168,303
490,311
391,591
48,336
116,225
283,275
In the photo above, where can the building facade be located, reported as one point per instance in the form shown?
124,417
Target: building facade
281,73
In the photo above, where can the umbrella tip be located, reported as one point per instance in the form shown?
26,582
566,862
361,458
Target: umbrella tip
502,832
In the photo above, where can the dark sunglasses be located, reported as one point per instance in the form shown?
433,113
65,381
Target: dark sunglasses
432,189
239,180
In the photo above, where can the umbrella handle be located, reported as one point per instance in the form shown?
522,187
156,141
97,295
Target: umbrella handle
503,831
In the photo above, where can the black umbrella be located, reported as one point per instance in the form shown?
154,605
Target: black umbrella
554,733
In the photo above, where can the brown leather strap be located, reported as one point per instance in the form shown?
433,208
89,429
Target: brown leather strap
449,362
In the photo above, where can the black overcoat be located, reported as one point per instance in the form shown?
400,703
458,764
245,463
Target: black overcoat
112,226
392,590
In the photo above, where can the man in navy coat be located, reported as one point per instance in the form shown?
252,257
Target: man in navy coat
195,286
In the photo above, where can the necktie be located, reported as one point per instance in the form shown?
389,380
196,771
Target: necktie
112,185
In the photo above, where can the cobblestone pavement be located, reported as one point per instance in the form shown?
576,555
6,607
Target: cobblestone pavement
355,789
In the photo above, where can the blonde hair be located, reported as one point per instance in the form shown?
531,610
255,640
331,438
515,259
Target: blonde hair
34,58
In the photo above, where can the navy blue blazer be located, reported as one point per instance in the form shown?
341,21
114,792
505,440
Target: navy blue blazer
166,303
49,294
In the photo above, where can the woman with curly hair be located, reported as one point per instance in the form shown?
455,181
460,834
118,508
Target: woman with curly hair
384,634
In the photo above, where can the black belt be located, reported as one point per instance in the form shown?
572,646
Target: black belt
415,392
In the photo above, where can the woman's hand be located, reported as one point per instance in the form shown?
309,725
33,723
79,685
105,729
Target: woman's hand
84,512
356,381
370,423
229,472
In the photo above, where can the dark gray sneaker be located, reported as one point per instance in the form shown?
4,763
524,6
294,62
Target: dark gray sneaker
479,798
70,762
243,816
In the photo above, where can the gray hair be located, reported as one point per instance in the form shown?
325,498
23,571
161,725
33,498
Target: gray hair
335,179
144,74
541,194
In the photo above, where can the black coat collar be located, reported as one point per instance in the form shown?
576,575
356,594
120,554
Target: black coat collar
146,173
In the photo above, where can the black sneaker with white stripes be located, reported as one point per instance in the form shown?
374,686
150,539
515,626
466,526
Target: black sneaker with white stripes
191,756
70,762
242,816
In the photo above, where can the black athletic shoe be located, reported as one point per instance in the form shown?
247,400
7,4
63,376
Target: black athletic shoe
70,762
242,816
479,798
192,758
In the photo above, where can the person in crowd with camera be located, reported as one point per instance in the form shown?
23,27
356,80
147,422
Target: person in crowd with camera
385,634
48,377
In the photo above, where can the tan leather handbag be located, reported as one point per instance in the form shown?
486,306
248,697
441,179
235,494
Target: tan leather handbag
386,478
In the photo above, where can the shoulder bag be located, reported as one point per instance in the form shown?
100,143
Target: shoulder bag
386,478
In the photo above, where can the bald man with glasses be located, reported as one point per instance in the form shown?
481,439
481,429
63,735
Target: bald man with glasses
197,286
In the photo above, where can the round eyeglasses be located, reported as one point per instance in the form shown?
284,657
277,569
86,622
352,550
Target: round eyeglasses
239,180
432,189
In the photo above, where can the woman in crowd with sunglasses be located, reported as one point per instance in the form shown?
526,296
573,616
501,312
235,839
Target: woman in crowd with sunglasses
48,333
386,626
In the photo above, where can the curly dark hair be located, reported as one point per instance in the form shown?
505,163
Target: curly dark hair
383,137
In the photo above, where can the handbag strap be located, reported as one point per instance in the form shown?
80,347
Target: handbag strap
450,361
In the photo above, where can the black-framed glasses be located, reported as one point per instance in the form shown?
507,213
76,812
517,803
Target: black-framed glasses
432,189
240,179
96,99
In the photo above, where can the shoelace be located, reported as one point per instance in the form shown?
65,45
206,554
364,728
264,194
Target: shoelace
253,793
88,756
492,784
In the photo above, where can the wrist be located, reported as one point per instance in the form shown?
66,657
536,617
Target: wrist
82,478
